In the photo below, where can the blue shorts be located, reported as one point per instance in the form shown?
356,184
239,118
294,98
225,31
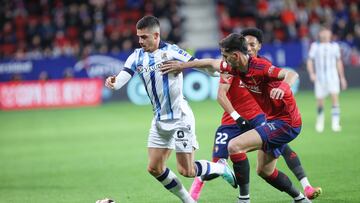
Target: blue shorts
225,133
275,134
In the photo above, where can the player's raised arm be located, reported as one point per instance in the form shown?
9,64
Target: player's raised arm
175,66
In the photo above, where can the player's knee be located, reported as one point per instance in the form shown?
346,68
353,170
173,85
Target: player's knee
262,172
186,172
154,171
235,147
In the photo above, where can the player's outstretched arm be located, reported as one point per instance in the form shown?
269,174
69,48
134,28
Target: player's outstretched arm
116,82
175,66
288,78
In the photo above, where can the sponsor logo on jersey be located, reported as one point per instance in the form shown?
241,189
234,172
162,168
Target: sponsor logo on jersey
253,88
142,69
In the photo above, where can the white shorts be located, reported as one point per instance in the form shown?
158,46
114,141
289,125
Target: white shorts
178,134
322,90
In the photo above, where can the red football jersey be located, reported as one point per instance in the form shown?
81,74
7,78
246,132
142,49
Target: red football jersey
260,79
240,98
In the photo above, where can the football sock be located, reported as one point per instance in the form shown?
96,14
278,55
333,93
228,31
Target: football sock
281,182
335,113
173,184
204,167
304,182
242,172
320,110
293,162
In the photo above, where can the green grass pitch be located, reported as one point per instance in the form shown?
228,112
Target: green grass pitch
81,155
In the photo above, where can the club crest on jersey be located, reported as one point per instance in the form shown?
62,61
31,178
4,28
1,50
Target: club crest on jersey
164,56
184,144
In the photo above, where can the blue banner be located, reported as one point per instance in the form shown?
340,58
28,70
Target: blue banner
197,86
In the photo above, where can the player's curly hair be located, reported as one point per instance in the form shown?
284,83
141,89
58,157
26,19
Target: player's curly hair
234,42
255,32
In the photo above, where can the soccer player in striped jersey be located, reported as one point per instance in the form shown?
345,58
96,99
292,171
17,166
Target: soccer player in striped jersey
327,73
173,125
269,86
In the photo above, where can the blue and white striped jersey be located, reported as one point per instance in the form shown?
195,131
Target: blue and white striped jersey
325,56
164,91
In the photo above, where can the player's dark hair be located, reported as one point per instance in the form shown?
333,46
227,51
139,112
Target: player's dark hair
234,42
255,32
147,22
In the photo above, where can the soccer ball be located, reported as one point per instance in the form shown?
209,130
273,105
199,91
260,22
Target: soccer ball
106,200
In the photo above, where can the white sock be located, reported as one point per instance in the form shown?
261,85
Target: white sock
304,182
335,115
204,167
244,196
170,181
301,196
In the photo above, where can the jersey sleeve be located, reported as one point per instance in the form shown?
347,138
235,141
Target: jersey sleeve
271,71
312,50
180,54
224,67
229,79
337,50
130,64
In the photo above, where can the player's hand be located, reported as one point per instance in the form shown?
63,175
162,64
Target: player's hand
343,83
171,67
110,82
243,123
277,93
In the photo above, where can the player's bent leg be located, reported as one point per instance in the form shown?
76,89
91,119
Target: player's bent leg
157,160
199,183
237,148
320,119
246,142
335,113
157,168
266,168
185,164
293,162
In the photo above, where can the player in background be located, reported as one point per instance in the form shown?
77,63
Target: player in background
270,87
173,125
326,71
236,101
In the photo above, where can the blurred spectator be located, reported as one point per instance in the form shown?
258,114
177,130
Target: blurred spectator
49,28
288,20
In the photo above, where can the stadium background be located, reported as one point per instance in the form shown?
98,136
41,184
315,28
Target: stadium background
55,54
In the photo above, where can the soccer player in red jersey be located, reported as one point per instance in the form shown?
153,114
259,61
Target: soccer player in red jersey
269,86
254,38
